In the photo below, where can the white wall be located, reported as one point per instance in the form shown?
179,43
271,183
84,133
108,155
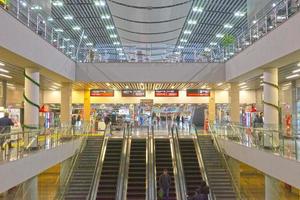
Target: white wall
15,172
150,72
18,39
279,48
282,169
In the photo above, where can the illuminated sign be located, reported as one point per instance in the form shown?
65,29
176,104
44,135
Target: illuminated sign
101,93
133,93
166,93
197,93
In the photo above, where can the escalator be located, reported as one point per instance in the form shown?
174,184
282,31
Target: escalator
163,159
136,186
82,176
190,165
107,188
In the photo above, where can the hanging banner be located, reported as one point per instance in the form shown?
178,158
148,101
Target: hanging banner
197,93
166,93
133,93
101,93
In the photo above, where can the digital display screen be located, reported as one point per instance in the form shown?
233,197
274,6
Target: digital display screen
197,93
101,93
133,93
166,93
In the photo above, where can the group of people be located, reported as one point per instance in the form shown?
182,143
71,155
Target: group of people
164,183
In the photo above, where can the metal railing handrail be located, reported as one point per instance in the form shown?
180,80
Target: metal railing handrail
216,143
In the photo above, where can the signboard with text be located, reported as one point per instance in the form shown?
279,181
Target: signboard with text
166,93
197,93
101,93
133,93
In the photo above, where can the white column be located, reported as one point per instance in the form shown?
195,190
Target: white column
234,102
30,189
31,100
272,188
66,103
271,118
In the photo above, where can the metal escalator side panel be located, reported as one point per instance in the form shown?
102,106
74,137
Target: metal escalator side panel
125,179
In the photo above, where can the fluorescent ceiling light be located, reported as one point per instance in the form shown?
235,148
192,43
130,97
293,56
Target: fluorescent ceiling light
121,54
76,28
67,39
183,40
99,3
89,44
6,76
119,49
192,22
244,87
36,7
113,36
68,17
58,30
187,32
23,3
207,49
84,37
219,84
239,14
50,19
213,43
116,43
180,47
58,3
197,9
296,71
109,27
228,26
72,46
254,21
261,77
298,64
4,70
2,64
219,35
62,47
173,87
108,84
243,83
292,76
105,17
126,87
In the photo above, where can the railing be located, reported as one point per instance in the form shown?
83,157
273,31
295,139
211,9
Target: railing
275,141
151,184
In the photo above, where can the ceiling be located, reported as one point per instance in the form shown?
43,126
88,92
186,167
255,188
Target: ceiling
144,30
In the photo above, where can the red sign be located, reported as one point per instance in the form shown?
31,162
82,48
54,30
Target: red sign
101,93
133,93
166,93
197,93
44,108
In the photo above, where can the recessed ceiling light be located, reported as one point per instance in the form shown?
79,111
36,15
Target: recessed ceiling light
109,27
183,40
99,3
228,26
76,28
254,21
243,83
50,19
192,22
4,70
67,39
116,43
84,37
292,76
108,84
6,76
72,46
58,30
197,9
180,47
105,17
57,3
173,87
239,14
2,64
36,7
126,87
213,44
121,54
219,35
89,44
207,49
23,3
113,36
187,32
68,17
62,47
119,49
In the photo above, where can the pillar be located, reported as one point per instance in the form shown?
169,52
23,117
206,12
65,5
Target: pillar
30,189
212,107
66,103
31,100
272,188
4,94
87,106
271,112
234,103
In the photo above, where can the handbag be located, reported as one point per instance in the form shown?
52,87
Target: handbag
160,194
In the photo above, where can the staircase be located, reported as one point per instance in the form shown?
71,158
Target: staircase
219,179
110,170
136,187
164,160
190,165
83,173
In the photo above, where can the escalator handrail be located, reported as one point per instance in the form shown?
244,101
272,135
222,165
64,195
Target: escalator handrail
150,167
180,169
60,194
217,145
203,168
154,185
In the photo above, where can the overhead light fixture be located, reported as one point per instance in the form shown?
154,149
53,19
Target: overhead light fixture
58,3
296,71
2,64
110,27
58,30
121,54
72,46
116,43
119,49
219,35
62,47
254,21
273,5
219,84
173,87
213,44
180,47
68,17
177,52
113,36
105,17
4,70
23,3
197,9
67,39
183,40
261,77
6,76
244,86
187,32
192,22
50,19
89,44
99,3
292,76
126,87
207,49
84,37
36,7
76,28
287,84
243,83
239,14
108,84
298,64
228,26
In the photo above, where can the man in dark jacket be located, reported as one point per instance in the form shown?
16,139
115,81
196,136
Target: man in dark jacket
5,123
165,184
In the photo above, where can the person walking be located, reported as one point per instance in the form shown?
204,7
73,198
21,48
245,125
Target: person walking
73,123
164,184
5,127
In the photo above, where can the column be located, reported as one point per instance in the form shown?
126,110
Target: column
272,188
271,118
87,106
4,93
30,189
234,103
31,101
212,107
66,103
